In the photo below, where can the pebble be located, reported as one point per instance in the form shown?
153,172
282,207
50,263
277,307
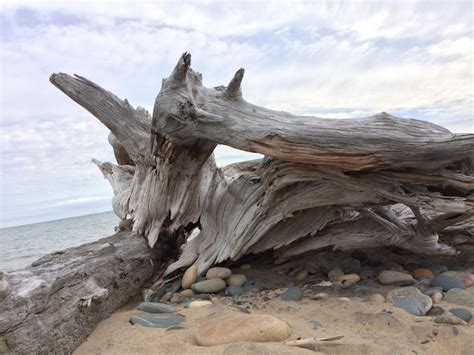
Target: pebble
248,286
187,293
449,318
218,273
337,271
154,307
175,298
437,297
324,284
240,327
462,313
410,294
320,296
393,266
215,300
245,266
199,303
458,296
293,293
429,291
151,320
209,286
301,275
234,290
468,278
125,224
236,280
189,277
447,282
347,284
166,297
349,277
377,298
312,267
344,299
351,265
388,277
39,262
435,311
422,272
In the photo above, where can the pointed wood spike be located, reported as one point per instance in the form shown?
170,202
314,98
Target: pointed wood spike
233,89
179,73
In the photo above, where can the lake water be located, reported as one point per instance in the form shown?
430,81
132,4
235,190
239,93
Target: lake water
19,246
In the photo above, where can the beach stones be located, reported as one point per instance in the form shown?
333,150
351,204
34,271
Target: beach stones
458,296
377,298
293,293
462,313
389,277
209,286
349,277
337,271
421,272
447,282
241,327
199,303
151,320
218,273
411,300
154,307
189,277
437,297
236,280
187,293
320,296
301,275
449,318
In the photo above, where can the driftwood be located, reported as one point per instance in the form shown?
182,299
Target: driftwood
51,308
345,184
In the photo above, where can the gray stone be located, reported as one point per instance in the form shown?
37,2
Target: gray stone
293,293
316,324
337,271
151,320
320,296
209,286
447,282
462,313
218,273
249,286
347,284
411,305
435,311
236,280
39,262
154,307
410,293
449,318
389,277
351,265
234,290
458,296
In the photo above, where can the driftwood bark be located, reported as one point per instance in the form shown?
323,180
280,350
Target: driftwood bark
345,184
53,307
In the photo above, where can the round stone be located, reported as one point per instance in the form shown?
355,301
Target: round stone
458,296
234,290
293,293
189,277
236,280
421,272
156,320
187,293
437,297
218,273
349,277
301,275
412,294
377,298
389,277
209,286
462,313
154,307
166,297
411,305
241,327
447,282
337,271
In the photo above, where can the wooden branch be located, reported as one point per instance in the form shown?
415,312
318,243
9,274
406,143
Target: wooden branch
53,307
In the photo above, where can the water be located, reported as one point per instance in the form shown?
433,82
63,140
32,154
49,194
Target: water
19,246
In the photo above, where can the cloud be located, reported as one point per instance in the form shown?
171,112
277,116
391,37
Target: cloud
332,59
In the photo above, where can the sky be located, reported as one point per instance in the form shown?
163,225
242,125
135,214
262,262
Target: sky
330,59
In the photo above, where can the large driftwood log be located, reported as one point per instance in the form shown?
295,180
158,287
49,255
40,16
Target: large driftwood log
346,184
53,307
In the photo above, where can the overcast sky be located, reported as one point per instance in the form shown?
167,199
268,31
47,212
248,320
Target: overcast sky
330,59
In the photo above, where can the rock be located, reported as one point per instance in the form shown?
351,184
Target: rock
373,260
236,280
347,284
422,272
324,284
189,277
151,320
156,296
388,277
411,305
437,297
337,271
209,286
241,327
187,293
199,303
215,300
293,293
320,296
462,313
467,278
351,265
125,224
167,296
40,262
218,273
458,296
447,282
312,267
248,286
431,290
301,275
349,277
435,311
449,318
175,298
245,266
377,298
234,290
153,307
410,293
3,285
367,274
344,299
